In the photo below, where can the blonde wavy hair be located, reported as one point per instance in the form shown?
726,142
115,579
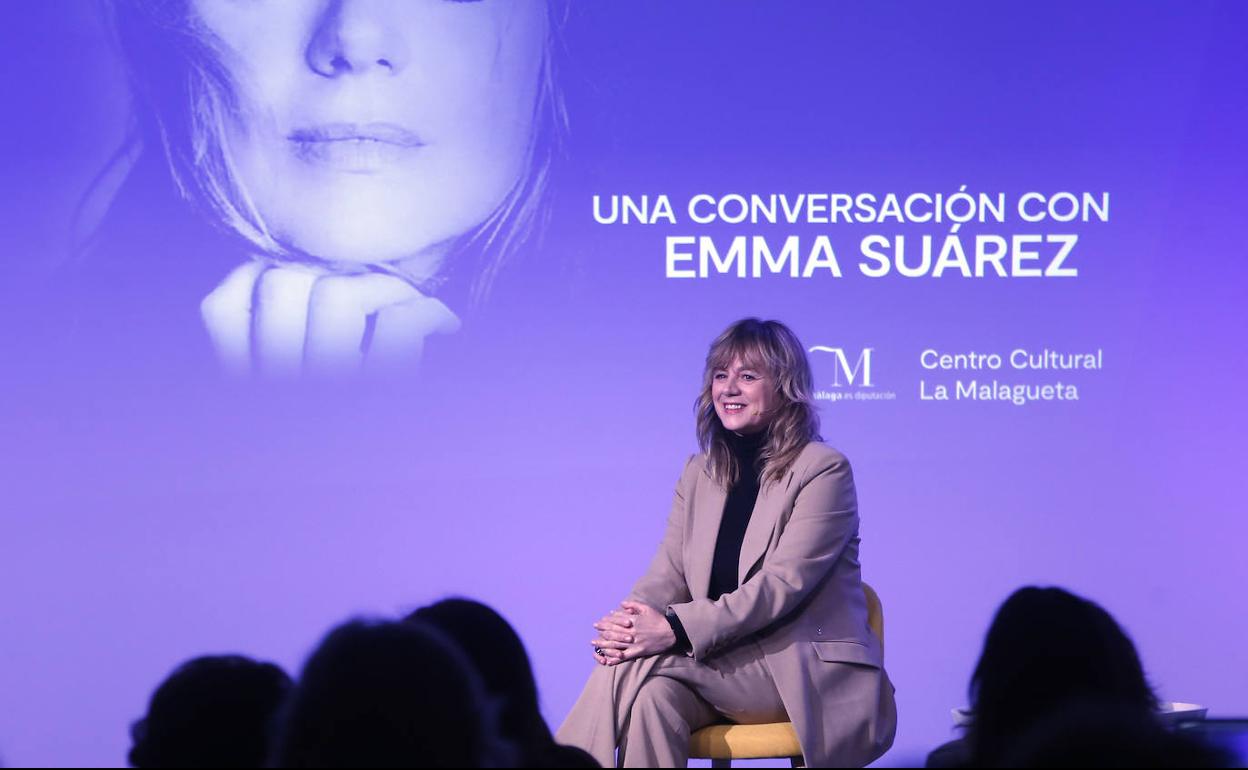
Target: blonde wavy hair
773,348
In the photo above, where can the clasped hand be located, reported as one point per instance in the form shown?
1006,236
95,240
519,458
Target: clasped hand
281,318
634,630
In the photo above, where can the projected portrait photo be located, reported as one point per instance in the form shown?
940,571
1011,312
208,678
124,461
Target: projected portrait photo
315,186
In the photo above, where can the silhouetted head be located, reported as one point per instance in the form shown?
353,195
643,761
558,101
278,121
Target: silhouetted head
498,655
1047,647
212,711
384,694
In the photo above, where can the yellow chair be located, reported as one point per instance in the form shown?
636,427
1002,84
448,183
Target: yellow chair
725,742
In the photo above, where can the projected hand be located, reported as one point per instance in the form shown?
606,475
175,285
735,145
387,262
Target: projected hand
635,630
285,319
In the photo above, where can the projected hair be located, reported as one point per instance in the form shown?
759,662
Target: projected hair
773,348
183,97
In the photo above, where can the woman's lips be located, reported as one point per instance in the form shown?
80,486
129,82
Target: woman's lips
733,408
355,148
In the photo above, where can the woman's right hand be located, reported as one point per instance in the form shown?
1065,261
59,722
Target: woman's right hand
615,634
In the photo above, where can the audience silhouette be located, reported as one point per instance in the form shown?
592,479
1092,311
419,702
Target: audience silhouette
496,651
1096,733
1046,652
388,694
214,711
1058,684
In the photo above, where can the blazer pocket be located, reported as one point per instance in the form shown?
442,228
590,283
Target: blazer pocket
847,651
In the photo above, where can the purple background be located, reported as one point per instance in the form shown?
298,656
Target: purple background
151,513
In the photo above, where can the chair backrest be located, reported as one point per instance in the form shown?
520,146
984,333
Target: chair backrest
875,613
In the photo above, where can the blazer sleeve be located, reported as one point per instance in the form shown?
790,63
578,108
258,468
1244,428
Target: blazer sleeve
664,581
823,521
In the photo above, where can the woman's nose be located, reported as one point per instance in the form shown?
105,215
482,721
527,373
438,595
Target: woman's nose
354,37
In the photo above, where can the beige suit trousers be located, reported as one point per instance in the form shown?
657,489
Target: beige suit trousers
649,707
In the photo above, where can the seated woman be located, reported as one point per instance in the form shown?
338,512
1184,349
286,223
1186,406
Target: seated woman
753,609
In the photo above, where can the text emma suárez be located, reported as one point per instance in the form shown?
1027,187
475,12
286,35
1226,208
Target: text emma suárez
969,255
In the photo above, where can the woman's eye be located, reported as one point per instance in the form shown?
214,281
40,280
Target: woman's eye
720,375
749,377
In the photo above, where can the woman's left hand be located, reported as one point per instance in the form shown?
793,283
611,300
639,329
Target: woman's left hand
650,631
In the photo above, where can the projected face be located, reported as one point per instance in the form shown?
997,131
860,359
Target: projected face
378,130
744,397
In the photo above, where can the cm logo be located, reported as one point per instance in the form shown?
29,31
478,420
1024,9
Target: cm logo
862,366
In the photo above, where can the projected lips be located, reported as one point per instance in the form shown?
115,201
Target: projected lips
355,148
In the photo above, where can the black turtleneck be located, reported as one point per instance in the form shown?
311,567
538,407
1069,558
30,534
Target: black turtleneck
737,510
738,507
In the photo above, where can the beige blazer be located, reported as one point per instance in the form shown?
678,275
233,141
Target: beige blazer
800,596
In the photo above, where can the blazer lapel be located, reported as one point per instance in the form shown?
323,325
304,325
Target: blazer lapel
767,510
708,512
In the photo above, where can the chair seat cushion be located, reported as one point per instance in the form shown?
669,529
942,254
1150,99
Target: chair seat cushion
729,741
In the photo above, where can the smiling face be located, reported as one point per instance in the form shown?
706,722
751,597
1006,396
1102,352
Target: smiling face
745,397
378,130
